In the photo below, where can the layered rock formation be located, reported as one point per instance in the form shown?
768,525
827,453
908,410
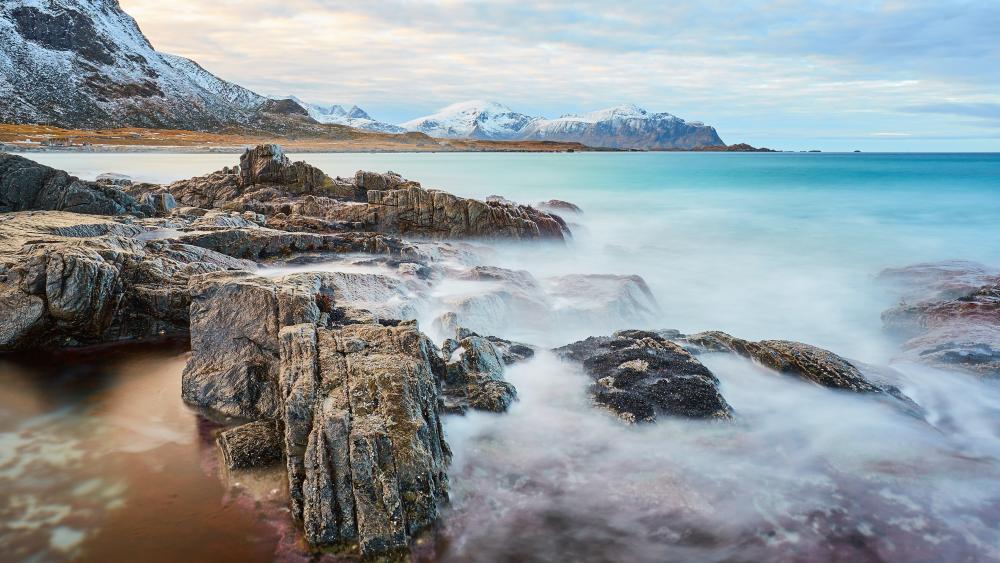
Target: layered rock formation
297,196
68,279
358,400
949,316
640,376
26,185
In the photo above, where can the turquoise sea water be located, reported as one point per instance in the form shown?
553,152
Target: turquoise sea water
759,245
764,245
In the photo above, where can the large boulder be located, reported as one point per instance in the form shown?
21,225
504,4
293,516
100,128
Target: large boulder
948,317
358,400
26,185
640,376
268,165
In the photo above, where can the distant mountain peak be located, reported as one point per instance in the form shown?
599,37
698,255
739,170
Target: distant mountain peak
353,117
622,126
357,113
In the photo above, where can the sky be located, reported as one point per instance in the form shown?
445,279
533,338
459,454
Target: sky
795,75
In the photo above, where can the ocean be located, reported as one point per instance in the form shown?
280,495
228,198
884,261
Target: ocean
763,246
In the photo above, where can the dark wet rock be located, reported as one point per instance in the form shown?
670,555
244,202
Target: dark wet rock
559,206
255,444
358,399
640,376
949,315
26,185
72,280
475,375
806,362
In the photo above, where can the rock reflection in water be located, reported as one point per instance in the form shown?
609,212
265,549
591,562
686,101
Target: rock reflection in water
101,461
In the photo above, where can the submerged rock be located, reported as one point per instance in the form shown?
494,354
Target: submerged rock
949,315
475,375
559,206
26,185
511,352
806,362
640,376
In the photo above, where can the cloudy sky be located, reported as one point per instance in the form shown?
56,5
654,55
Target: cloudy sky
871,75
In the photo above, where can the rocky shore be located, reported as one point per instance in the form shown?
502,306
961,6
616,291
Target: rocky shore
327,372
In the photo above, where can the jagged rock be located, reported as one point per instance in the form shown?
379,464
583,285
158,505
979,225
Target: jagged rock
806,362
358,400
949,316
475,369
69,279
113,179
559,206
256,444
640,376
161,203
268,165
26,185
408,209
298,196
511,352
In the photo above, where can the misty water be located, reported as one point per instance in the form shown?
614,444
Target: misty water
100,458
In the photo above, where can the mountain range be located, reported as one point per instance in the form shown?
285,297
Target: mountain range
626,126
86,64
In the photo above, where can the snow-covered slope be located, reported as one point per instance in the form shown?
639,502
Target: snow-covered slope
86,63
476,119
627,126
353,117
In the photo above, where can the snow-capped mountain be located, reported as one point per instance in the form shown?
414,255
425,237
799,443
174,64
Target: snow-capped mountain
476,119
353,117
86,63
627,126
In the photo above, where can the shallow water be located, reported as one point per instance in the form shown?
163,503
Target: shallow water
761,246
